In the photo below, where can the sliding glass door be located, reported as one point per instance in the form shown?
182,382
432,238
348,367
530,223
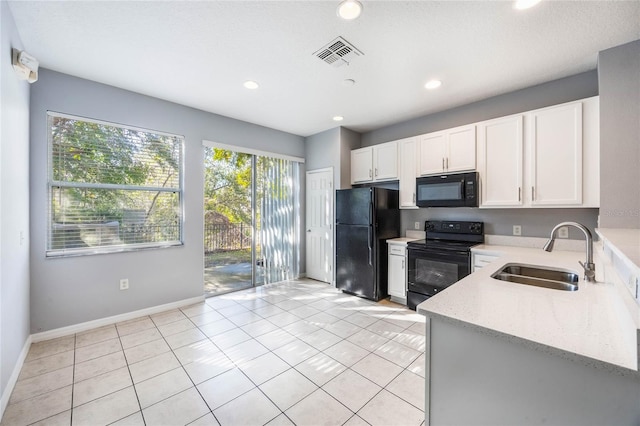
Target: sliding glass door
251,205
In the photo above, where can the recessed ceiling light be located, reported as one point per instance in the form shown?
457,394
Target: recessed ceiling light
338,118
433,84
349,9
348,82
525,4
250,84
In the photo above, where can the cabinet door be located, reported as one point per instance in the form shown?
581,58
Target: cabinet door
361,162
397,276
462,149
408,168
556,155
500,162
433,153
479,261
385,161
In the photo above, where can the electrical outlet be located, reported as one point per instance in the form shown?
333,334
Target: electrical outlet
517,230
563,232
416,225
124,284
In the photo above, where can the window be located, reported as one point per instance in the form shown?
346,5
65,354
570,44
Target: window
112,187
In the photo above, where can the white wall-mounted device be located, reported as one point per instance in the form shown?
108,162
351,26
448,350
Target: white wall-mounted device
25,65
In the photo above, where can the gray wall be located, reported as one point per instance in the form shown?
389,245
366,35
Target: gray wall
551,93
14,204
619,82
332,148
534,222
349,140
322,150
74,290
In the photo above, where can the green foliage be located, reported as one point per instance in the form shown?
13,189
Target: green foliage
91,153
227,184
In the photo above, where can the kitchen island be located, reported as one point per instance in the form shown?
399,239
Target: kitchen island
505,353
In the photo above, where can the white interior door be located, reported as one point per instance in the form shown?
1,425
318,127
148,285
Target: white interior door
319,220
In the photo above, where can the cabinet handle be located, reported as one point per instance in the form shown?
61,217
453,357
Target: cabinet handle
376,172
370,173
414,198
519,194
533,197
442,163
402,263
447,163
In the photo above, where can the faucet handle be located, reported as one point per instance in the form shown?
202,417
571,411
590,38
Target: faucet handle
589,271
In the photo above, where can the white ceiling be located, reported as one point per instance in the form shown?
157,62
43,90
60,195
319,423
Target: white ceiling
200,53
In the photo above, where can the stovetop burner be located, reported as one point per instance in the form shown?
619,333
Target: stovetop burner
450,235
443,244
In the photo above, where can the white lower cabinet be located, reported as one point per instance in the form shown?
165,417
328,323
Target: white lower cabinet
397,279
479,261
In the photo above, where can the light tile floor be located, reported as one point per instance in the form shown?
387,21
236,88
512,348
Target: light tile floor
298,352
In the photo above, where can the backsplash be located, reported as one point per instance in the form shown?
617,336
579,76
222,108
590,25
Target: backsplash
534,222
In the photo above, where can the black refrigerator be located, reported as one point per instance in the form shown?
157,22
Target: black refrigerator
365,219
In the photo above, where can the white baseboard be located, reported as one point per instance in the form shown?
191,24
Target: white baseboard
6,394
77,328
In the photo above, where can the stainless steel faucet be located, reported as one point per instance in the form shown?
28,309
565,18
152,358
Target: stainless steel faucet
589,266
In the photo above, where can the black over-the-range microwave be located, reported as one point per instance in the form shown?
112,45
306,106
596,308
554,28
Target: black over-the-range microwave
450,190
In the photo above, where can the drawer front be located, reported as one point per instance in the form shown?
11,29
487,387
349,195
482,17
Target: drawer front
480,260
396,250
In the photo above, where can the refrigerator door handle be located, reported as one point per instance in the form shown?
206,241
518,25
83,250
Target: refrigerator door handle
369,238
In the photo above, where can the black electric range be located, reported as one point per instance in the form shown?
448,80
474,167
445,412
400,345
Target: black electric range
441,259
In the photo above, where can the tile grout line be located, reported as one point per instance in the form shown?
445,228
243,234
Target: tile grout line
73,377
321,300
185,371
133,384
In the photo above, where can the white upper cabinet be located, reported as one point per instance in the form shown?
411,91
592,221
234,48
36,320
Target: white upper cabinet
374,163
500,144
433,150
555,155
462,149
408,170
543,158
385,161
447,151
361,165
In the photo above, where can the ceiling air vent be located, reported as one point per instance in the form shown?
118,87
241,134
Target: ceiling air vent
338,52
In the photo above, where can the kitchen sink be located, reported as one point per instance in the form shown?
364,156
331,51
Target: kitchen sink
556,279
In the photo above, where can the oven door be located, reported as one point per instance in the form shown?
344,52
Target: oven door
430,270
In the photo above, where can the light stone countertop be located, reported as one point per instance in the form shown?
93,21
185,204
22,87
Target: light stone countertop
400,240
626,241
591,325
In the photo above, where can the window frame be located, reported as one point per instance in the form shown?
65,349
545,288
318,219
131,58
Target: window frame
51,253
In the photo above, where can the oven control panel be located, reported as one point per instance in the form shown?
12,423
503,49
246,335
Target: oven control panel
454,227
